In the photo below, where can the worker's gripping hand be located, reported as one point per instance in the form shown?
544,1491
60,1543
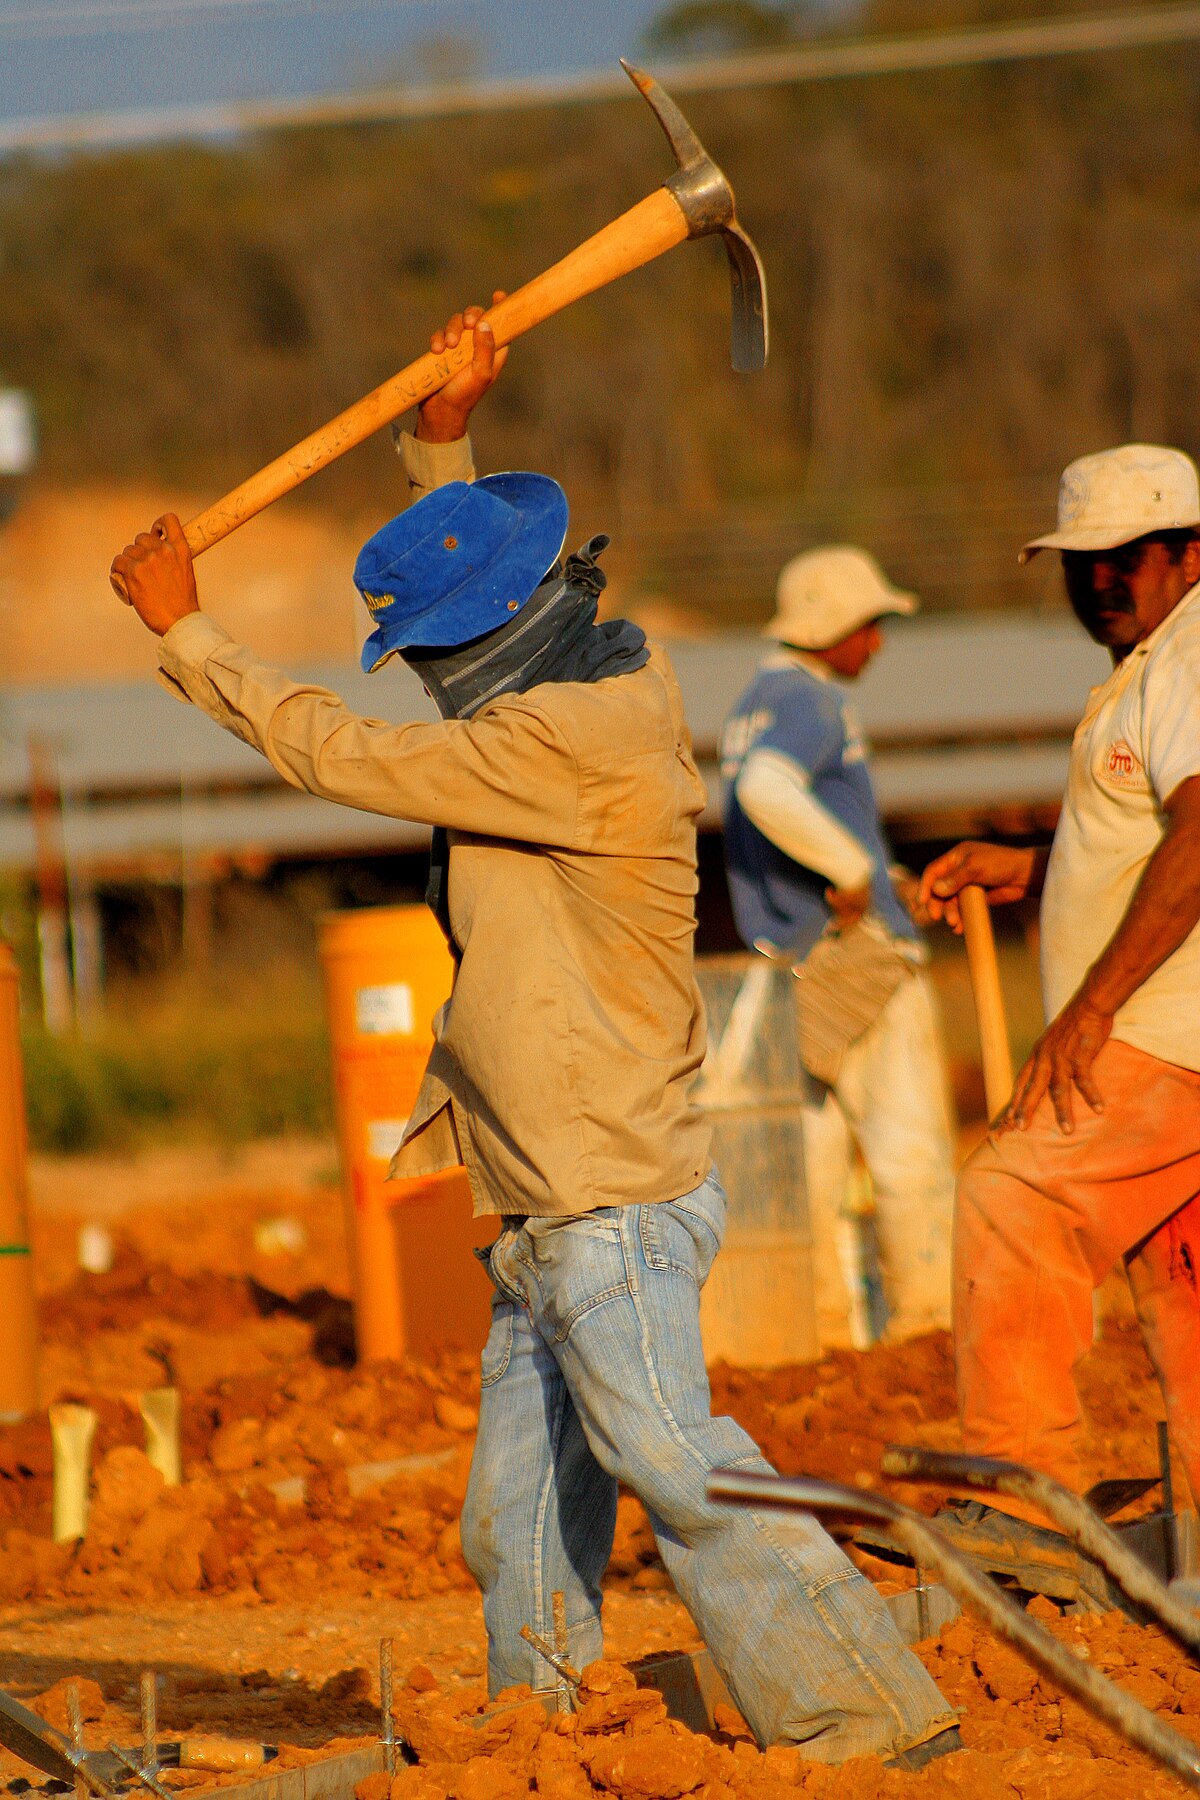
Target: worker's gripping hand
847,905
156,573
1003,873
1061,1060
444,416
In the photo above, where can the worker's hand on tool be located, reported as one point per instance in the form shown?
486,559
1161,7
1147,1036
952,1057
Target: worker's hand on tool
1061,1059
1005,875
907,888
156,573
443,417
847,905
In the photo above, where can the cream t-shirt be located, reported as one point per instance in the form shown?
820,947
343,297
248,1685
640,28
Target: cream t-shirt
1139,738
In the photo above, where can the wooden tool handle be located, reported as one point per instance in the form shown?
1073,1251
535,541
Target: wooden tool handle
989,998
220,1755
648,229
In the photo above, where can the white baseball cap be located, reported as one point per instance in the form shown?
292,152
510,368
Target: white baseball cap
1118,495
824,595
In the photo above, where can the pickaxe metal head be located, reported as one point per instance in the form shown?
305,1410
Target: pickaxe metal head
706,201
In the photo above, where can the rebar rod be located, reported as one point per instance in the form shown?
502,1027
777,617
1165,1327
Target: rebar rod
387,1721
562,1647
145,1776
549,1654
926,1545
148,1691
1168,1497
1074,1518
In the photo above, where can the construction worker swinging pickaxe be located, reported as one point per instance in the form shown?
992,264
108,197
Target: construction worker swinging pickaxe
564,796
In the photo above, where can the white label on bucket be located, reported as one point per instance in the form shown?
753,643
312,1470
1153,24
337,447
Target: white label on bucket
383,1138
384,1011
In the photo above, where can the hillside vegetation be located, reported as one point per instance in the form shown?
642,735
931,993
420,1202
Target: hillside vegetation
975,276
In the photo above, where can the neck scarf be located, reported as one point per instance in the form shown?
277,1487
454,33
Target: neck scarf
554,637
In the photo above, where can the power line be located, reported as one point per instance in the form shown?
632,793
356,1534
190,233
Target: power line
924,51
116,18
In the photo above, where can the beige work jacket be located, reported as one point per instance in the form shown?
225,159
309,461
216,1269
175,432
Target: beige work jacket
563,1064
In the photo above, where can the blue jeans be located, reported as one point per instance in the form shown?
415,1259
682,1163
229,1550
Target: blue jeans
593,1374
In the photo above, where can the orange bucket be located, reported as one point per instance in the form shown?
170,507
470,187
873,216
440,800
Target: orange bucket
18,1314
417,1287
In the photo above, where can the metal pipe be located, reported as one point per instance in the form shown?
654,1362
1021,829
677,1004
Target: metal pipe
925,1544
1073,1516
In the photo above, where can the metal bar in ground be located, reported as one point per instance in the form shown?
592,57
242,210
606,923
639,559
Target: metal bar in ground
562,1645
546,1651
75,1722
387,1719
925,1544
1073,1516
148,1693
1168,1498
139,1774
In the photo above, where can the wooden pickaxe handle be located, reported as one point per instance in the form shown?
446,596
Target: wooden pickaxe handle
989,998
648,229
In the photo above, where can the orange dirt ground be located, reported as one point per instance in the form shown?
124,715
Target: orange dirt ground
262,1604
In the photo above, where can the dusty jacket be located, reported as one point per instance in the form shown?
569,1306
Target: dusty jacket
563,1065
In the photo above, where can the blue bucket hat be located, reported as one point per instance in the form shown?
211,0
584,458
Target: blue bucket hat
462,561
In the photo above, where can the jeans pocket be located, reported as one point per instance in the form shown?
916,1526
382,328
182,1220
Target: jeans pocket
498,1260
685,1234
497,1352
572,1266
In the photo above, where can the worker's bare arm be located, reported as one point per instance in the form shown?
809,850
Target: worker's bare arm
443,418
1165,908
1005,875
156,572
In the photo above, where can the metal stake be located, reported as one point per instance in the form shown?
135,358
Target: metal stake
922,1605
387,1723
548,1654
1168,1498
562,1645
75,1721
139,1774
149,1704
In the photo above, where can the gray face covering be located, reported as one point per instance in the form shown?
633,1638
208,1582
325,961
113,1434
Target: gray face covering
554,637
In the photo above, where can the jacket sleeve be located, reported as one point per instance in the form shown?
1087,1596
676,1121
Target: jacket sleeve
507,773
429,466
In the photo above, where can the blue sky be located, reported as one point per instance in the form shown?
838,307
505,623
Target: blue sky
89,55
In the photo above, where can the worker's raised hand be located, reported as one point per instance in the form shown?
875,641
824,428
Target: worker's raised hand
1004,873
156,574
443,417
1060,1061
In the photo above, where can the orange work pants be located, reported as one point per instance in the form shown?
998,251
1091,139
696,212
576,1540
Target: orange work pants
1041,1219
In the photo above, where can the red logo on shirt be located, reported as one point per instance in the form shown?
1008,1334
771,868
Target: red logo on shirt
1121,767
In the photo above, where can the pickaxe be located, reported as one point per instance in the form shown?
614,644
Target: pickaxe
696,201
